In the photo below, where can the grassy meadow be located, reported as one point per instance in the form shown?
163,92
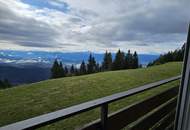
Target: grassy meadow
31,100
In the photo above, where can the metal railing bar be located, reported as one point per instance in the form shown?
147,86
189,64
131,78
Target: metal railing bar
52,117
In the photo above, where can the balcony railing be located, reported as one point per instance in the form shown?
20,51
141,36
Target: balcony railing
163,104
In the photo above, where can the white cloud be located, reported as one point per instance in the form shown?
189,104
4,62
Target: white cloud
95,25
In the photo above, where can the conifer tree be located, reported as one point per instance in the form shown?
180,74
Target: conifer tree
66,71
129,60
61,70
83,68
77,72
55,69
119,61
91,66
135,61
97,68
72,70
176,55
107,61
126,65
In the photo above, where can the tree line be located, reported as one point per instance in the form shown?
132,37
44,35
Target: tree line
4,84
176,55
121,61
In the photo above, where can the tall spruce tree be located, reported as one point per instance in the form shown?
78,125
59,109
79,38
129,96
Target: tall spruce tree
55,70
66,71
91,66
119,60
83,68
61,70
135,61
72,70
98,67
107,61
129,60
126,65
77,71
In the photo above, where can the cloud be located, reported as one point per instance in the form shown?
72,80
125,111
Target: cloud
24,30
70,25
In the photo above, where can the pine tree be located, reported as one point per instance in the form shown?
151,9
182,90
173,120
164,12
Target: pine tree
91,66
129,60
61,70
83,68
72,70
107,62
119,61
77,72
126,65
135,61
66,71
97,68
55,69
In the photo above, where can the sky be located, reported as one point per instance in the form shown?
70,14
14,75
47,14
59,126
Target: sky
145,26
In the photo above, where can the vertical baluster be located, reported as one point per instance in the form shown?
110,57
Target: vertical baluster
104,116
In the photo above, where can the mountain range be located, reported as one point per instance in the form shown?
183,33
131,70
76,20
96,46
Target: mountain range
21,67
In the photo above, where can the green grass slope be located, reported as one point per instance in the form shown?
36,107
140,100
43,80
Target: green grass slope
27,101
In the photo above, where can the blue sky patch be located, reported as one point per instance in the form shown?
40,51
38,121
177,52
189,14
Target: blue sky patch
60,6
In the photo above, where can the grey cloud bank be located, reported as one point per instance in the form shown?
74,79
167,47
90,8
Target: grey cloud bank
146,26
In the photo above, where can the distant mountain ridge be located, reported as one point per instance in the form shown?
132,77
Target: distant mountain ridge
32,66
46,58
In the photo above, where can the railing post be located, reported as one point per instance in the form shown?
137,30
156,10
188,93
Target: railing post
182,121
104,116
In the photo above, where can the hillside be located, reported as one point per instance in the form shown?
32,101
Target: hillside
17,75
27,101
